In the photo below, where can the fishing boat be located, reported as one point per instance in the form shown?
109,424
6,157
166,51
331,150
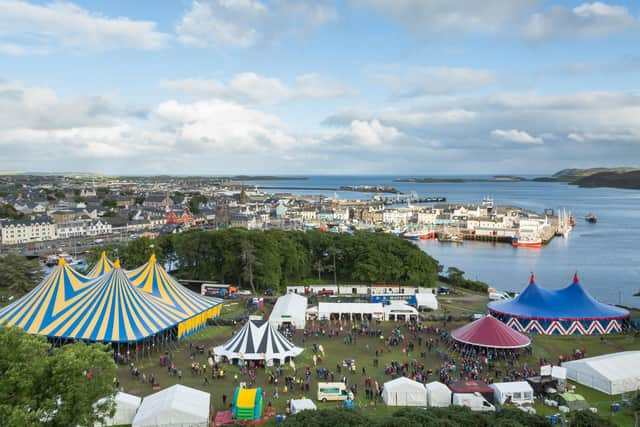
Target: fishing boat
527,241
450,238
591,218
53,260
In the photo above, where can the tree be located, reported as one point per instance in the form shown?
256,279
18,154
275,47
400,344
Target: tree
455,275
248,259
195,201
54,387
140,199
8,211
19,273
589,419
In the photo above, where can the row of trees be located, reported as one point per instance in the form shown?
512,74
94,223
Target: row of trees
441,417
275,258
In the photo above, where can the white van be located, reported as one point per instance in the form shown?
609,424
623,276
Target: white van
474,401
333,391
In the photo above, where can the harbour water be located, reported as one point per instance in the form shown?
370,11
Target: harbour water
606,255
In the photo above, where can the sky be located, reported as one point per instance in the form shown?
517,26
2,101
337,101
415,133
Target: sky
411,87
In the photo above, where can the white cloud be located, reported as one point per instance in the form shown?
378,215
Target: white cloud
586,20
372,133
245,23
518,136
217,125
421,81
253,88
452,18
27,28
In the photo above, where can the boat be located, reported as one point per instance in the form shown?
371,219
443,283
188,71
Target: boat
527,241
450,238
564,224
591,218
52,260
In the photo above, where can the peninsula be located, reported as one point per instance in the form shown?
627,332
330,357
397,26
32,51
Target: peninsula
597,177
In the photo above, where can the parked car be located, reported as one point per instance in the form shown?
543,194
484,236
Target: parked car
244,292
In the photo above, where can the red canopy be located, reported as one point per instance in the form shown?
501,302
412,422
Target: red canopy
490,332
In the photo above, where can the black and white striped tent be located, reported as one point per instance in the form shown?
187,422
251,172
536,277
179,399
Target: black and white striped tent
257,340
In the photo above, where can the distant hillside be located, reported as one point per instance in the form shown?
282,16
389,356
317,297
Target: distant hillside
571,175
629,180
597,177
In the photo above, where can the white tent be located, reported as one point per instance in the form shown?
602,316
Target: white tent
298,405
176,406
428,301
438,394
257,340
399,310
516,391
126,407
290,308
404,392
350,310
614,373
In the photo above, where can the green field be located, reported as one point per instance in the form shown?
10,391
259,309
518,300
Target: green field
363,351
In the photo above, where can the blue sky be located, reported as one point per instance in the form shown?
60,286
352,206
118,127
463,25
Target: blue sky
289,86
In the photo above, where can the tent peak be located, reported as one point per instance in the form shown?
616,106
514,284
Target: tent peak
532,279
61,261
576,280
116,263
152,258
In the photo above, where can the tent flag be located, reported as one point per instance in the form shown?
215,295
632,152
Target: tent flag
103,265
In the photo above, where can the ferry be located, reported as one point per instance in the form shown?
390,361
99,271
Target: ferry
527,241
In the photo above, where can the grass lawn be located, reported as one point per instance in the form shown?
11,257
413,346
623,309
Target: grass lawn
363,351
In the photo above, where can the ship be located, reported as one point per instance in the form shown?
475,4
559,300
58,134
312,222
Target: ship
527,241
418,235
591,217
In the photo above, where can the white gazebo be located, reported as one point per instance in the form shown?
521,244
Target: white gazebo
438,394
289,309
176,406
404,392
126,407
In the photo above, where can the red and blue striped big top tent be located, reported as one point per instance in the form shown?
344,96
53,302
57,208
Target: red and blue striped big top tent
567,311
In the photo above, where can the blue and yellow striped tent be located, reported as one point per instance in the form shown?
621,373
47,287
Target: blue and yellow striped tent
112,310
46,301
103,265
153,280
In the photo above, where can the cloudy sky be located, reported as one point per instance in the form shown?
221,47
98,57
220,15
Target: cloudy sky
319,87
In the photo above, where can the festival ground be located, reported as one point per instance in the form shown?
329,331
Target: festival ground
363,352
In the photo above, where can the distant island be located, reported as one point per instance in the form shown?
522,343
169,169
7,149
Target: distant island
432,180
628,178
267,178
